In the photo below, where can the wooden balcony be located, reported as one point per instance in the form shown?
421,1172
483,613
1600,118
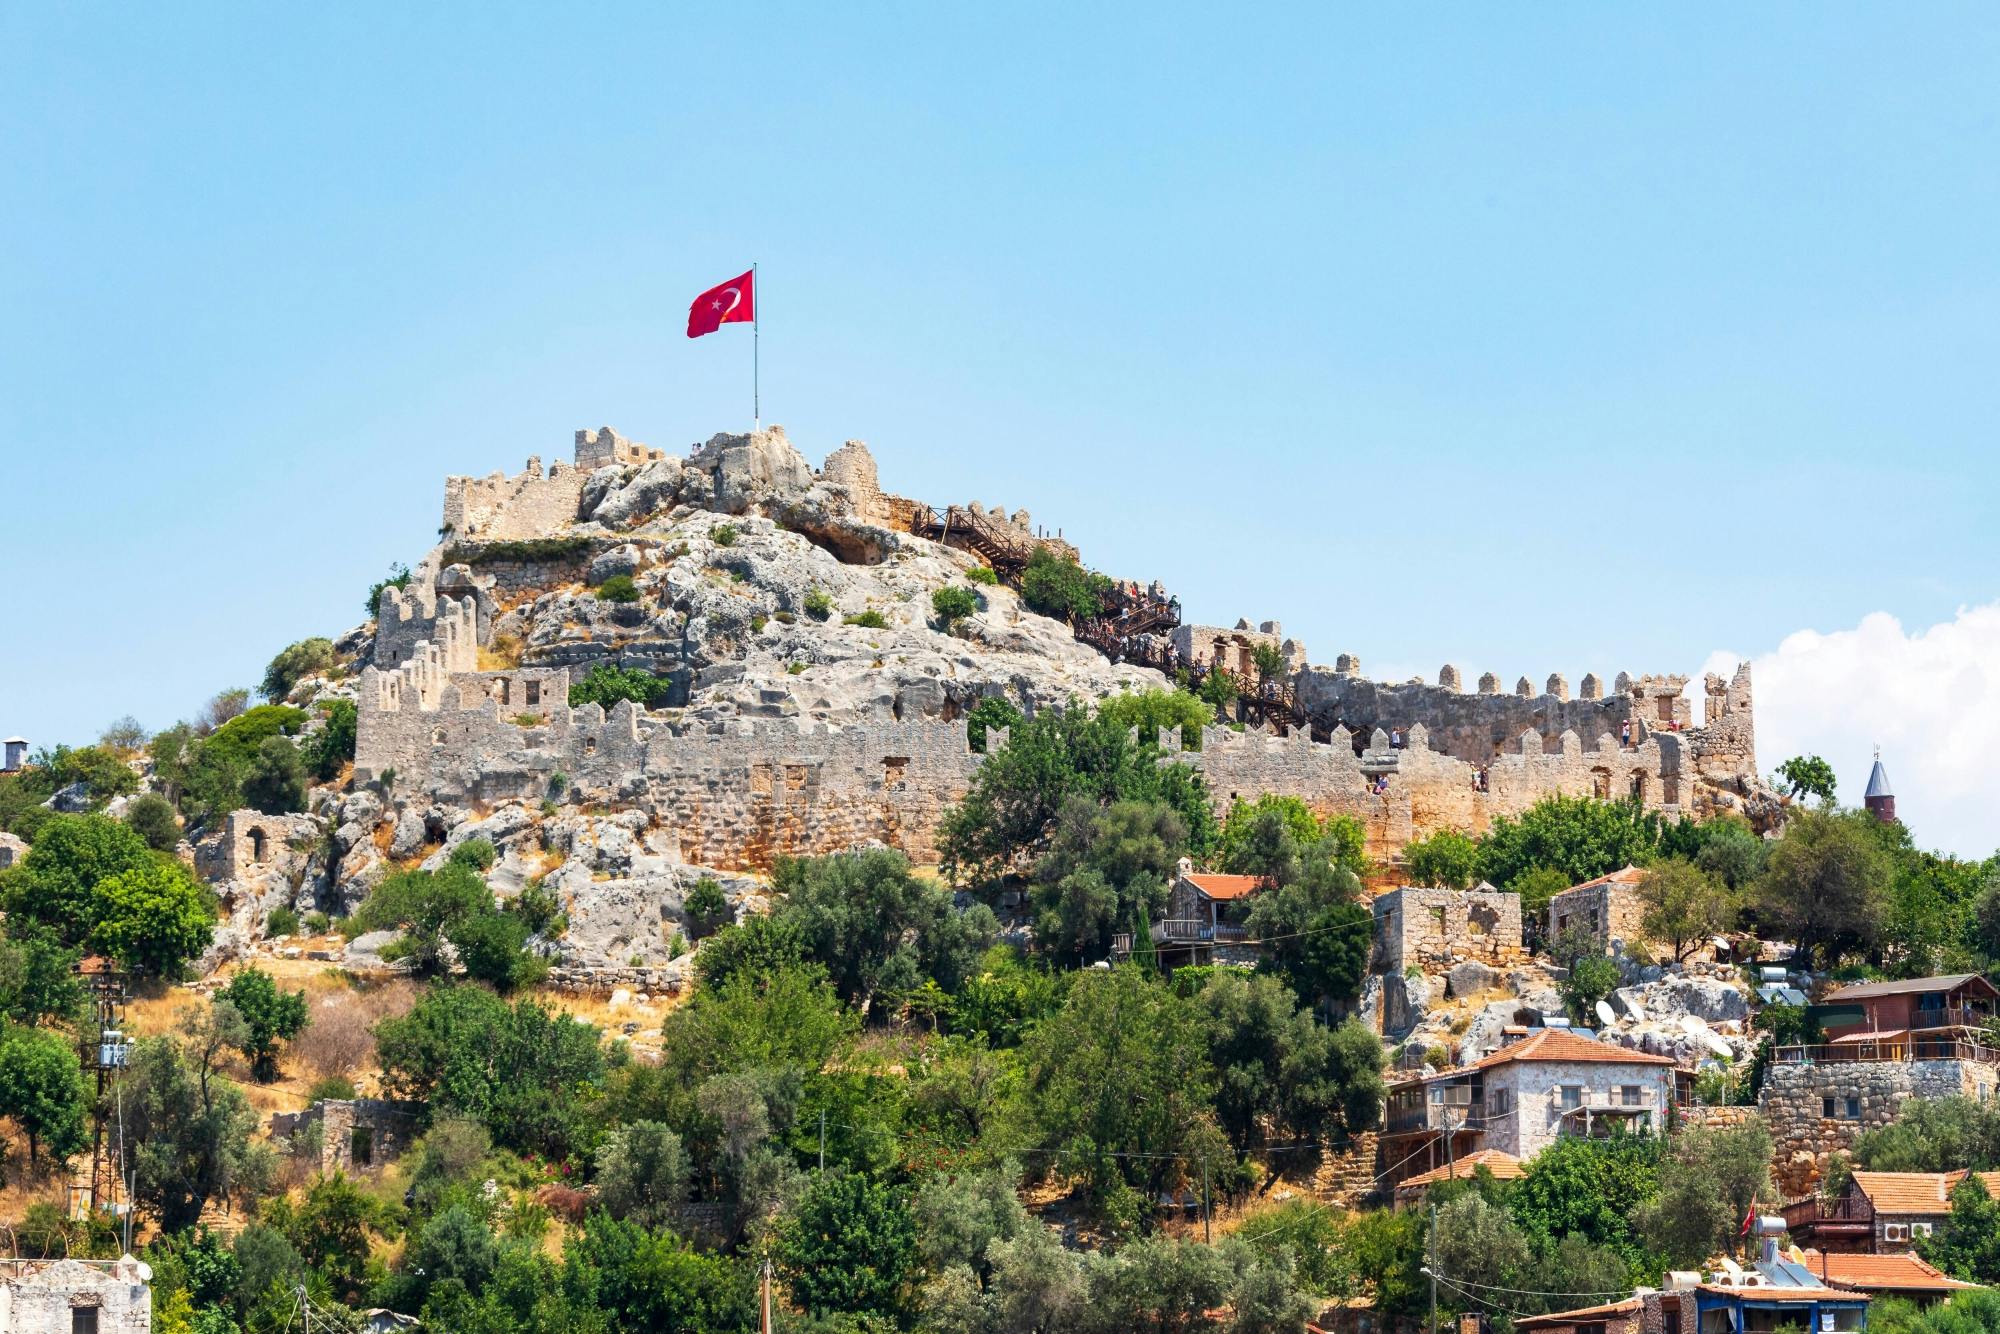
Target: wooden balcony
1948,1016
1848,1216
1892,1049
1197,931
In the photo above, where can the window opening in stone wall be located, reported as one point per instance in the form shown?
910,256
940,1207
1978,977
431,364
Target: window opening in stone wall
1638,786
256,845
361,1146
1482,919
437,737
83,1320
590,745
893,767
1666,708
1437,921
506,691
1600,784
534,689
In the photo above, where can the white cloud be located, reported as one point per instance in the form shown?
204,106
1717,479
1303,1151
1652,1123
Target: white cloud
1930,699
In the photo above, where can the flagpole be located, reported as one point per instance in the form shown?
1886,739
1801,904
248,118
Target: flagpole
756,314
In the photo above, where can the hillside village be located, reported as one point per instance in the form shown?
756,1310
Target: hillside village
710,879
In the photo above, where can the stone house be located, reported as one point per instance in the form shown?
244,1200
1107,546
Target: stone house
76,1296
1522,1098
1879,1213
1605,909
1204,918
1817,1100
355,1133
1918,1010
1437,927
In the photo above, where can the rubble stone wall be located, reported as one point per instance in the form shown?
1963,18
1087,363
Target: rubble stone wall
1429,927
1606,912
498,508
45,1295
1792,1103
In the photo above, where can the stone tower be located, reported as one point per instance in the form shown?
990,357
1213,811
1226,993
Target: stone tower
1880,799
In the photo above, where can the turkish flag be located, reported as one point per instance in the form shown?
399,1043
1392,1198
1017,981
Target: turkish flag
728,303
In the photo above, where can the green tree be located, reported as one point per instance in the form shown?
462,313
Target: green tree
654,1281
1106,871
1590,1187
1312,931
42,1089
1825,885
332,1229
1386,1249
1056,586
1730,850
1122,1068
876,927
276,780
1253,833
606,685
1006,819
270,1016
1709,1182
452,905
1281,1072
1684,905
308,657
152,817
1447,859
1807,776
851,1246
189,1130
54,887
398,577
522,1071
1581,837
157,918
332,746
38,981
1933,1135
1591,978
642,1173
991,711
1152,710
1967,1245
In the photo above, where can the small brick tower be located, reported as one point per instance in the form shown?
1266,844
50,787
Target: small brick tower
1879,799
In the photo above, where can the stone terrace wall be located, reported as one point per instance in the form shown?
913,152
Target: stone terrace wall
499,508
1792,1105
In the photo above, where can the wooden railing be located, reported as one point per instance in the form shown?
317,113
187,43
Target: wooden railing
1197,930
1846,1212
1891,1049
1949,1016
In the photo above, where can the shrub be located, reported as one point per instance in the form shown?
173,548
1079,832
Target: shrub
527,720
870,620
277,780
270,1015
152,818
817,604
990,711
982,574
478,853
707,908
723,534
523,550
308,657
316,922
953,604
330,1089
399,577
794,668
618,588
757,624
282,921
606,685
1056,586
333,745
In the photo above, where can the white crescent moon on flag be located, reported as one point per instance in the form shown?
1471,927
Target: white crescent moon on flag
735,300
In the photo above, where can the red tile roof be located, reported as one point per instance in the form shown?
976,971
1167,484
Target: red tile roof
1557,1044
1630,1304
1917,1192
1504,1167
1216,886
1625,875
1880,1273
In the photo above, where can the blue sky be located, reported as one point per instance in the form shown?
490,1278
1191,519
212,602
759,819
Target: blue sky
1573,338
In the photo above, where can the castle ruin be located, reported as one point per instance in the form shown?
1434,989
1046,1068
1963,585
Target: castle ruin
738,792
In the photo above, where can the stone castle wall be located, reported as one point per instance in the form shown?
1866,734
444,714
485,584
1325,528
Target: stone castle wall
1792,1103
499,508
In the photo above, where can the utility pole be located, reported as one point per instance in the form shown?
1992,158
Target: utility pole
1431,1268
105,1052
764,1306
305,1310
1204,1202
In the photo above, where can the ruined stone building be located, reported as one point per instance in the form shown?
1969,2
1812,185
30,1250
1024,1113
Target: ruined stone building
738,790
76,1296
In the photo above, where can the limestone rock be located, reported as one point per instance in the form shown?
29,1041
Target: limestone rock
1405,1002
748,472
1469,979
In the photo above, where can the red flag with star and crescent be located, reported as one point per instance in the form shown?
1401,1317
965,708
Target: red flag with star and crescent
726,303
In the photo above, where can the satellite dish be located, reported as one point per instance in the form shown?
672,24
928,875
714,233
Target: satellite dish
1605,1016
1636,1010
